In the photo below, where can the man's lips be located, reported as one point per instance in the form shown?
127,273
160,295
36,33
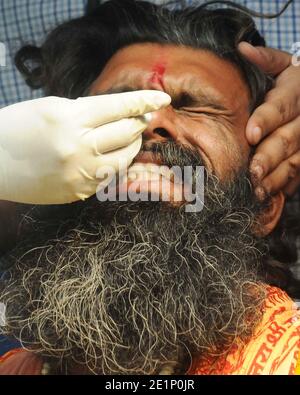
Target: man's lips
147,157
148,175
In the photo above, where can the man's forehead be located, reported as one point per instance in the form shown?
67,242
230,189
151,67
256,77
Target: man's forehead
176,68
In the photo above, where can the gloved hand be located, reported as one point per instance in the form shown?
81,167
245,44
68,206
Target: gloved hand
51,148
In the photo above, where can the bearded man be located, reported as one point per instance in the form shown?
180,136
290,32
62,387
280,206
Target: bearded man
147,287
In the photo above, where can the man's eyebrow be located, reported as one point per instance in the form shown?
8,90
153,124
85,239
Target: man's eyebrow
198,98
117,89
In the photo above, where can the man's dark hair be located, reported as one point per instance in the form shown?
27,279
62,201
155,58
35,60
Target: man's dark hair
75,53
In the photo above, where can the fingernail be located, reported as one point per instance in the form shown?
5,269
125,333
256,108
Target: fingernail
260,193
256,134
257,171
244,44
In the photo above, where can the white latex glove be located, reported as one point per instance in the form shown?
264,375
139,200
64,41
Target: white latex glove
51,148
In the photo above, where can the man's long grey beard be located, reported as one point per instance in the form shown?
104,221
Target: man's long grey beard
127,287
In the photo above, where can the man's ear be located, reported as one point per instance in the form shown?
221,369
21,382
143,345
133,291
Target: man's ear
270,217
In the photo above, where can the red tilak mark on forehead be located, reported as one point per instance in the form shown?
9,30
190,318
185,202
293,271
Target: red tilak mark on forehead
157,75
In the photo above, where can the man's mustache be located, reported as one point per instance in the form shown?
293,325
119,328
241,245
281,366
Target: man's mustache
170,153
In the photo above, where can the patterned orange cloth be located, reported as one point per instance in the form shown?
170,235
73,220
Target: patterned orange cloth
273,350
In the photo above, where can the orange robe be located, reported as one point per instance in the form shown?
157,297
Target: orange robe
274,348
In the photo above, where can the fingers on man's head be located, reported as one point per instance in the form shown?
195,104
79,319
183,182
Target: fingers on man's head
271,115
277,147
270,60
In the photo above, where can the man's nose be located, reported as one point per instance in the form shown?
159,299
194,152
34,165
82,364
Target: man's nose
162,127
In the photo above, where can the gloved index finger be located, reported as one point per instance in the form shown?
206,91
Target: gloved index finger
98,110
